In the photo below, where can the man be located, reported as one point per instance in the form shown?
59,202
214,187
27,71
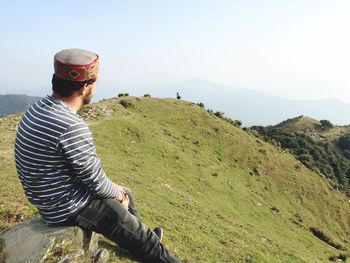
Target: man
60,172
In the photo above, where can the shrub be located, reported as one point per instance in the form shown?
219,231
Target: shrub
147,95
326,124
235,123
219,114
341,257
123,94
322,236
333,258
127,104
344,142
346,154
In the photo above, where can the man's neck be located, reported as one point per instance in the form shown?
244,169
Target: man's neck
72,101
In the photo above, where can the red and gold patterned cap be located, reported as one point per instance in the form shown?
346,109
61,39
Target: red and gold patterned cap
76,64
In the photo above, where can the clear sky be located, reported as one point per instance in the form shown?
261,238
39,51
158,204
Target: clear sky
290,48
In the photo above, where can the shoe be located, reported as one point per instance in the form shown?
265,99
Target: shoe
159,232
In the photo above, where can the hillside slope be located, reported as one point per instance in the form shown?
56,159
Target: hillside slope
220,193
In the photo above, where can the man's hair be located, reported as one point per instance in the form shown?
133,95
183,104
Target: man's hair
65,88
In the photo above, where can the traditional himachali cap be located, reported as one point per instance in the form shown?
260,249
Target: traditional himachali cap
76,64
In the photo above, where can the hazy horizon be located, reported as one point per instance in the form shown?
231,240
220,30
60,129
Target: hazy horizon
288,49
249,106
160,90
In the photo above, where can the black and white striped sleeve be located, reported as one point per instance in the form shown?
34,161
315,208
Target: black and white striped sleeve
76,146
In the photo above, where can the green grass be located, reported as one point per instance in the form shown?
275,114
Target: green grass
220,193
14,207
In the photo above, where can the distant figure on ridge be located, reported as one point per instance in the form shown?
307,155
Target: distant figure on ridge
61,173
178,96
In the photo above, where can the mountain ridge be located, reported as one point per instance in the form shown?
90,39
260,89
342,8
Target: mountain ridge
250,106
14,103
257,108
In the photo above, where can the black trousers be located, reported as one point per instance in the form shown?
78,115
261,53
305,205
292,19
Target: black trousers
109,218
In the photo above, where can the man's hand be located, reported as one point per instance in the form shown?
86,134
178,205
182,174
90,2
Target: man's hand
125,201
123,197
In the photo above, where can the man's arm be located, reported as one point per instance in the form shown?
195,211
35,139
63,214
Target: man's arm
77,147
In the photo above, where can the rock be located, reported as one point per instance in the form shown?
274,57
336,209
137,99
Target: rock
66,259
34,241
90,241
100,256
71,257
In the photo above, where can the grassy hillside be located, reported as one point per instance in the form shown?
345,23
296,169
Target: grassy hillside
220,193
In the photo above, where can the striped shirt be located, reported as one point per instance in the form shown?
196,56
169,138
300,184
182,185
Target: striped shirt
56,161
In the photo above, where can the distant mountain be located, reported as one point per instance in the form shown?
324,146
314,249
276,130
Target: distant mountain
255,108
10,103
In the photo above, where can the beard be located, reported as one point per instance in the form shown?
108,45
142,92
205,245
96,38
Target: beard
87,98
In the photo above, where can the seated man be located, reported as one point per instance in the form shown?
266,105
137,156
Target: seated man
60,172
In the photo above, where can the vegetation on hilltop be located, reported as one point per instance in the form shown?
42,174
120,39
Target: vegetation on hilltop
344,145
306,139
220,193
